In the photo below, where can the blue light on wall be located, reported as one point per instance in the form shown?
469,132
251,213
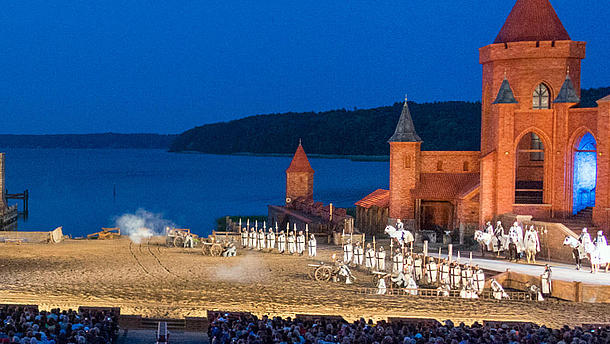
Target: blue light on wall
585,173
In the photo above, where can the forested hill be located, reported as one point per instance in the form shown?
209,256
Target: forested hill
454,125
106,140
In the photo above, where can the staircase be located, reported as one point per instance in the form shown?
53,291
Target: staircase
582,219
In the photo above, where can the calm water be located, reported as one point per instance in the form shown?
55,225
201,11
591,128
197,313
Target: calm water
73,188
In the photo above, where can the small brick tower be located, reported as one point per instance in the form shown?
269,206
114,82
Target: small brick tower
405,169
299,177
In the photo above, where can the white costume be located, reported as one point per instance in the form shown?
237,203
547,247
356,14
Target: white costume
412,286
358,254
261,240
400,280
445,270
369,257
545,278
252,239
271,239
300,243
478,282
601,246
418,268
408,265
281,242
292,247
497,291
244,237
532,244
398,264
381,287
535,293
431,273
347,252
312,245
456,276
380,257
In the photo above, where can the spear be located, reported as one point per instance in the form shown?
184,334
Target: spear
248,224
256,225
470,258
440,252
458,257
240,223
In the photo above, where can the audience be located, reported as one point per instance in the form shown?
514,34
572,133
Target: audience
250,329
19,325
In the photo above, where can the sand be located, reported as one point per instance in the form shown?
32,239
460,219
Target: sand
152,280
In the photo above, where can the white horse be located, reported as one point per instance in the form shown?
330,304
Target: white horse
578,250
490,242
402,236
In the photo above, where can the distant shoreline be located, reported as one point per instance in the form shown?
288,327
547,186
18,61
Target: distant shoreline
355,158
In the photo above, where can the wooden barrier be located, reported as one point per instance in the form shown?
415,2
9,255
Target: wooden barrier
317,317
435,293
25,307
116,310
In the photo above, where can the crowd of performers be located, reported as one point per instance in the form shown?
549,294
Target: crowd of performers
295,242
518,242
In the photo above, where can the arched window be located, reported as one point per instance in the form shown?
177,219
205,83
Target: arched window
529,183
541,99
465,167
439,165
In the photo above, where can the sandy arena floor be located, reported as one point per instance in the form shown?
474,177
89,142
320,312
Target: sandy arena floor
152,280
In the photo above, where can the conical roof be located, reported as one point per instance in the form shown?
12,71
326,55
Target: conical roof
505,94
567,94
405,130
532,20
299,162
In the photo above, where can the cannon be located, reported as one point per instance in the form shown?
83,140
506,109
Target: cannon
174,237
209,247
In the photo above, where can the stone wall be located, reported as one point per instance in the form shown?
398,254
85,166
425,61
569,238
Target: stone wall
450,161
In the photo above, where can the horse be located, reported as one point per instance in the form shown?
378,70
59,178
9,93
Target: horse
402,236
490,242
578,250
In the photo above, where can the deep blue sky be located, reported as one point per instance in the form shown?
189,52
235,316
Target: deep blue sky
165,66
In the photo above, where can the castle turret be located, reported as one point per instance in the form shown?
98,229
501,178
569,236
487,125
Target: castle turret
299,177
405,168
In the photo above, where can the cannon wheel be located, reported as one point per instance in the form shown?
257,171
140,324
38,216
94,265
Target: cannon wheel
215,250
376,279
205,250
179,241
323,274
169,242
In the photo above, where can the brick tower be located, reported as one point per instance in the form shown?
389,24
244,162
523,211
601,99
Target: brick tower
405,169
299,177
531,78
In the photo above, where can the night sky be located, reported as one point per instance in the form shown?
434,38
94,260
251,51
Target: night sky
166,66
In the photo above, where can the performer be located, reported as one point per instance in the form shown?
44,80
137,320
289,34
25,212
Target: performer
252,239
271,239
281,242
456,275
380,257
381,287
497,291
188,241
532,244
535,293
412,286
369,257
478,279
400,280
445,272
467,275
312,245
601,246
513,245
300,243
261,240
489,228
244,237
229,250
431,271
444,290
545,278
399,225
418,268
348,252
292,247
499,230
398,263
358,254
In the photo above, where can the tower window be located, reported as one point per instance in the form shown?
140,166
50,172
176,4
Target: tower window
536,144
439,165
465,167
407,161
541,98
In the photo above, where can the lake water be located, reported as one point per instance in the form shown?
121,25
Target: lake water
74,188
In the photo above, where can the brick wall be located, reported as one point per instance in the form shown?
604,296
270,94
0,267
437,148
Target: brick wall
451,161
299,185
405,169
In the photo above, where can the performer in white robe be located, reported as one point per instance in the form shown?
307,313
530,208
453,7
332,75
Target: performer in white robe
514,245
431,271
499,230
300,243
546,281
478,279
271,239
281,242
252,239
397,262
260,245
497,291
532,244
369,257
408,265
467,275
535,293
348,251
601,246
399,225
244,237
380,259
489,228
291,240
358,254
312,244
445,273
418,268
400,280
456,276
381,286
412,286
443,290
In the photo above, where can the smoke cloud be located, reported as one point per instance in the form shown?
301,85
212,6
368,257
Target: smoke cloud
142,225
242,269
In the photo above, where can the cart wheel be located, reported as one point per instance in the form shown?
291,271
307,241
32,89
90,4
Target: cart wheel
216,250
169,242
311,274
376,280
179,241
205,250
323,274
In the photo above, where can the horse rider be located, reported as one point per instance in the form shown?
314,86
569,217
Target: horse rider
369,257
399,225
532,244
312,244
499,230
244,237
489,228
545,278
380,258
